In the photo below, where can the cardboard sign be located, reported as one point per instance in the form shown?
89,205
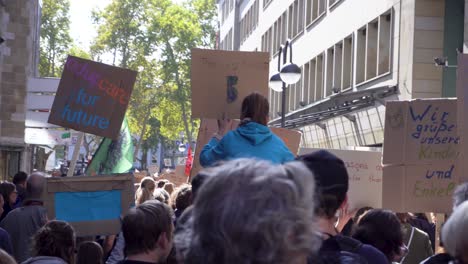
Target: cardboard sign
92,205
420,131
462,107
419,188
365,176
421,147
208,127
222,79
92,97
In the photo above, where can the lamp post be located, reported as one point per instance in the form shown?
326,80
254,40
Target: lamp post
289,74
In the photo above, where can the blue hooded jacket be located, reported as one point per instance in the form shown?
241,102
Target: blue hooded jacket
251,140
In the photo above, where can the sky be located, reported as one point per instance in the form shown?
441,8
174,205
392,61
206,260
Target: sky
82,29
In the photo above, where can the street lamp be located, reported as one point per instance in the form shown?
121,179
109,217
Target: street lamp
289,74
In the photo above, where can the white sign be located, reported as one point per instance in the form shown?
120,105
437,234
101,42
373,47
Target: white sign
49,137
365,176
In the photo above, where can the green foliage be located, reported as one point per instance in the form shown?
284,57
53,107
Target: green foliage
55,37
79,52
155,37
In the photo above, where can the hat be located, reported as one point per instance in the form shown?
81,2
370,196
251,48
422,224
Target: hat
329,172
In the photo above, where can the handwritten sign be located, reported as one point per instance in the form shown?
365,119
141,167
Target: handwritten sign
462,107
208,127
420,131
92,97
222,79
365,176
421,147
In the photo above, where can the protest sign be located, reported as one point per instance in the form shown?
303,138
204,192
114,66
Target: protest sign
208,127
222,79
92,97
421,146
462,107
92,205
365,176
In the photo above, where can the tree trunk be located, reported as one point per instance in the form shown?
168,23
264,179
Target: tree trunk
180,91
143,130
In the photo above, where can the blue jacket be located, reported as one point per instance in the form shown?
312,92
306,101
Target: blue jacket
251,140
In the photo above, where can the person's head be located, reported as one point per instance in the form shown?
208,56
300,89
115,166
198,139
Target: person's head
161,183
9,193
148,230
331,177
145,190
453,233
5,258
381,229
460,194
198,181
360,212
89,252
55,239
169,187
256,107
35,185
249,210
2,203
20,178
183,197
162,196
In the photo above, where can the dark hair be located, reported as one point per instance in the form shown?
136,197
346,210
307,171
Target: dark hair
55,239
197,182
20,177
143,225
6,188
381,229
161,183
256,107
183,198
332,181
90,252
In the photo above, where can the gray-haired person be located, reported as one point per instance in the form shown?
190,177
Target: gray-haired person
453,234
460,194
251,211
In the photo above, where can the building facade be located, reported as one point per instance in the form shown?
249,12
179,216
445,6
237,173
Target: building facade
354,55
19,32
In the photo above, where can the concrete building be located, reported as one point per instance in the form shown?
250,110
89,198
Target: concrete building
354,56
19,32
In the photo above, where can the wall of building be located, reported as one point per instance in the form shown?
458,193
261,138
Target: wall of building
391,42
19,23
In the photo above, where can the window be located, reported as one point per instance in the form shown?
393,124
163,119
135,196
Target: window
266,3
227,42
374,48
384,43
314,10
331,3
329,71
339,66
249,22
312,81
296,18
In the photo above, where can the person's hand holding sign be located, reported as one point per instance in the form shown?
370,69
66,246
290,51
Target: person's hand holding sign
223,125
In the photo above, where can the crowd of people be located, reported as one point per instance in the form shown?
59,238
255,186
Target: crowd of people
255,203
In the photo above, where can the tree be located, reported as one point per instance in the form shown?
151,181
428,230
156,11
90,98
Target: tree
175,30
90,144
55,36
120,30
155,37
